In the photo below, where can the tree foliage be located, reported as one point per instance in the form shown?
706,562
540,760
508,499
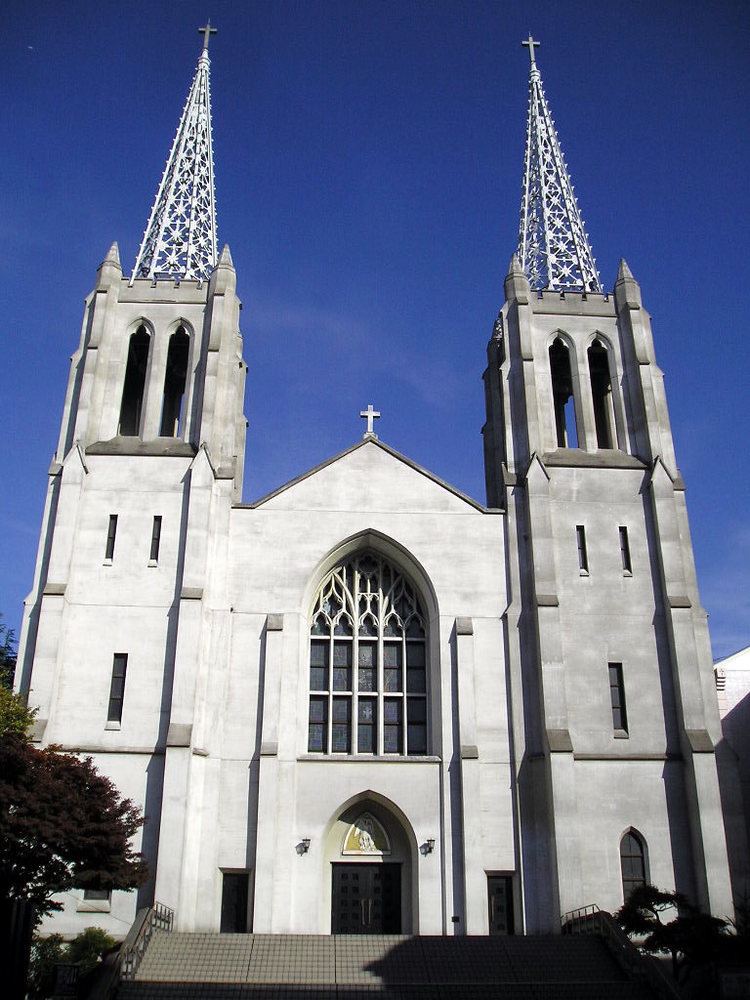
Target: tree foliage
15,717
691,937
47,952
86,950
62,826
7,655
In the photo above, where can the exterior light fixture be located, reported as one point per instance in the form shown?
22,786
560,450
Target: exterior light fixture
304,846
428,847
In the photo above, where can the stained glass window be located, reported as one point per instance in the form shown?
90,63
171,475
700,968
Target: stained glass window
367,651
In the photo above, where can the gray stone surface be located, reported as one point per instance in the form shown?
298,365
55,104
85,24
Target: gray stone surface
340,966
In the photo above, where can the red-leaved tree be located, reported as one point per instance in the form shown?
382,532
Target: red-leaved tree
62,826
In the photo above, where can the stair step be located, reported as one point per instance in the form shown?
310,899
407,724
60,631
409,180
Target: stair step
350,967
465,991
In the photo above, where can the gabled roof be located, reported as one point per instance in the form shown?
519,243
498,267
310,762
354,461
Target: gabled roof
370,439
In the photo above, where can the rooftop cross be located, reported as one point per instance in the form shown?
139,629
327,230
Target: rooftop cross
531,45
207,31
370,414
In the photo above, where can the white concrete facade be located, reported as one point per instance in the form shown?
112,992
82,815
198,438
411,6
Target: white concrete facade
524,775
733,758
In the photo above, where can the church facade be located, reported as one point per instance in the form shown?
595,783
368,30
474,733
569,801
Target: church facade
367,703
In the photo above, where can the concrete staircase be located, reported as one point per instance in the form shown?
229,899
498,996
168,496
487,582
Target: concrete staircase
343,967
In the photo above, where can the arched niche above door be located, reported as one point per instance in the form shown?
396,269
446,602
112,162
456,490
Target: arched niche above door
366,837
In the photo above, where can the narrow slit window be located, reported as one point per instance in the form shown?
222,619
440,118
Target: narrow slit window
563,400
109,551
583,556
117,687
155,539
625,550
175,378
617,698
601,393
134,386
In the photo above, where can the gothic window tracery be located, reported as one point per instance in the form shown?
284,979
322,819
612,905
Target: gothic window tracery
368,668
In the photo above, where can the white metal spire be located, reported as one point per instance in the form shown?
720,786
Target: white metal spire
553,245
180,238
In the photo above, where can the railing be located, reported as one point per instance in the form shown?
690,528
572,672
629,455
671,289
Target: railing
157,918
67,977
591,920
124,963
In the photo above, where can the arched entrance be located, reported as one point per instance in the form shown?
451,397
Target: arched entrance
369,871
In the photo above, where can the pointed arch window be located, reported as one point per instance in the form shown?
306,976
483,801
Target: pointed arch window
175,378
563,398
134,387
601,393
368,662
632,862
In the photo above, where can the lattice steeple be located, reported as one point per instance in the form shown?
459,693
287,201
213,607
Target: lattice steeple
553,245
180,238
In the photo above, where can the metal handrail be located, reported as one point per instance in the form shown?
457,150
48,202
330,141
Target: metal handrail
156,918
591,920
124,964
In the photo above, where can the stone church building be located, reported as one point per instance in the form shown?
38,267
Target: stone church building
368,703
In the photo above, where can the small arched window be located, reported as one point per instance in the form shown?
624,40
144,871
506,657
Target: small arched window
632,862
601,392
175,378
134,387
563,400
368,666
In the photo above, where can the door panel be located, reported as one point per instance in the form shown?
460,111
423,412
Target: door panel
366,899
234,903
500,899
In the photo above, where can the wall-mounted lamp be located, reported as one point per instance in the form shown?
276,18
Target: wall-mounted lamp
304,846
428,847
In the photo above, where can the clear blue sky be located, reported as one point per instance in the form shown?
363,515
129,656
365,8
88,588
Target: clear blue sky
368,165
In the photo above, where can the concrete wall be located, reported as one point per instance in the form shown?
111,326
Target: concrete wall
581,783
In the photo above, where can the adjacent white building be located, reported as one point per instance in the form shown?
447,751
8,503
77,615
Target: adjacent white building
733,758
366,702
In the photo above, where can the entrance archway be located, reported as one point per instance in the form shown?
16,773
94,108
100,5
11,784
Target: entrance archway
370,868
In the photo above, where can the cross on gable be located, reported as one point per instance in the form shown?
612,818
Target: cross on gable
207,31
370,415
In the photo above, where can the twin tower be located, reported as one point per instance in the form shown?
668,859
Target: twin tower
536,734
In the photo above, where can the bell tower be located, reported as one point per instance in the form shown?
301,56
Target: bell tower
159,369
148,464
608,641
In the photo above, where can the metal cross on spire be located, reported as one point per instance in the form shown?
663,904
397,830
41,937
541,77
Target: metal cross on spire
553,244
207,31
531,44
180,239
